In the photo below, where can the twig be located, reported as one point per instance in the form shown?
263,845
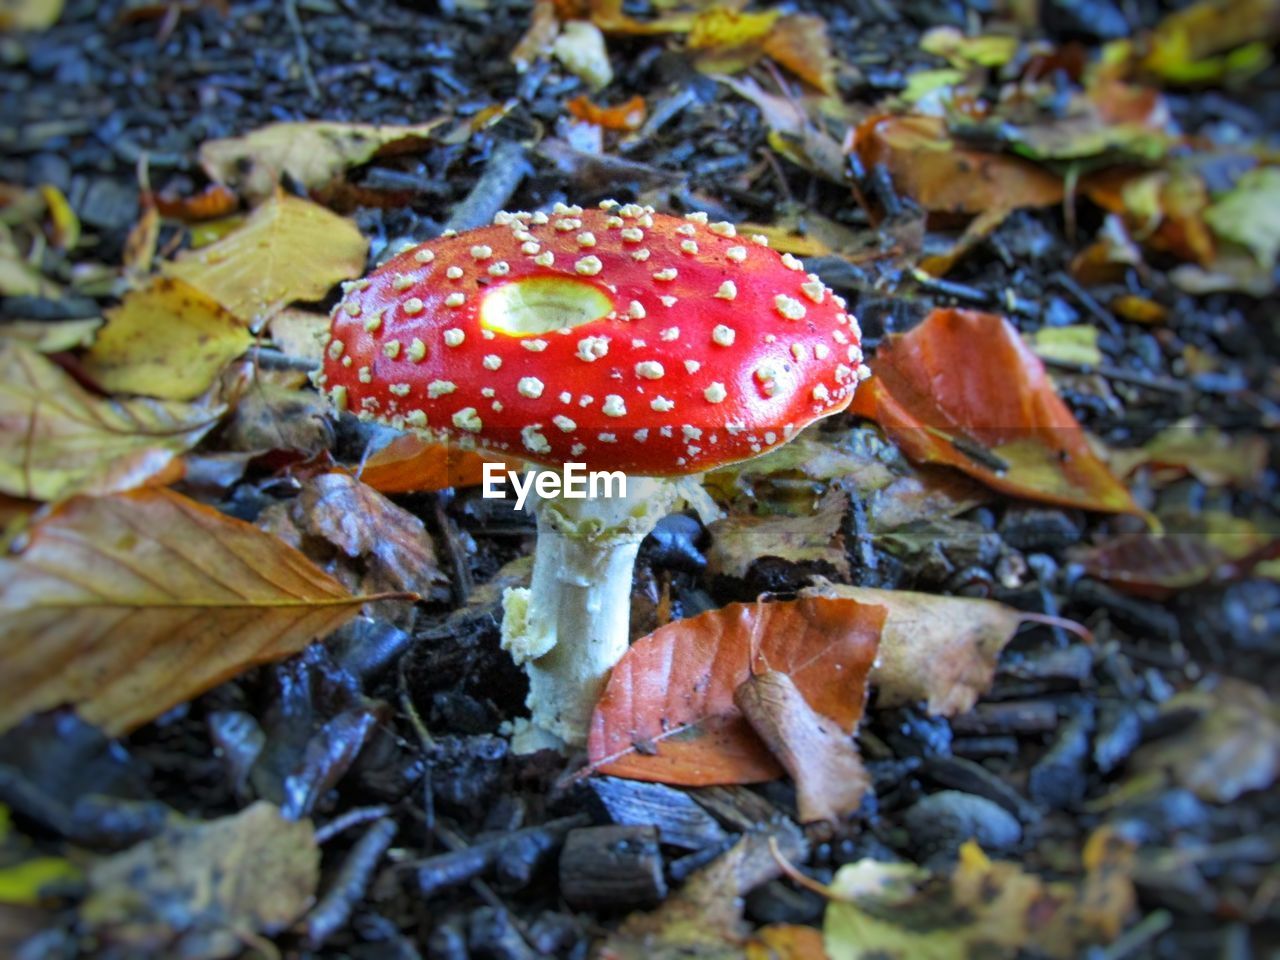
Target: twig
304,54
1119,374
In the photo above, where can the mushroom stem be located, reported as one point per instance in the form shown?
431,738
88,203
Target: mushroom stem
572,624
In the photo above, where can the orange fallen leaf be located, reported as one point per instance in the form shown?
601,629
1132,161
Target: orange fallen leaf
409,464
784,941
214,201
126,606
945,177
623,116
962,389
668,712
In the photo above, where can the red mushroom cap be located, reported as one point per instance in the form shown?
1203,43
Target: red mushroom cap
619,338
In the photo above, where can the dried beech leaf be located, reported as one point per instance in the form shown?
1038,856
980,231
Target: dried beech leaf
738,541
391,547
409,464
1212,548
128,605
668,713
288,249
1232,747
818,756
198,888
57,439
962,389
312,153
942,650
168,340
931,169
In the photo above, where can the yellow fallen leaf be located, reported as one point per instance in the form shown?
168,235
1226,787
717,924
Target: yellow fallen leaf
288,249
18,278
167,340
57,439
29,14
128,605
51,336
312,153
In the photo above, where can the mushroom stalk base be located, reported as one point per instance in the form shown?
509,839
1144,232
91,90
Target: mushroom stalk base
572,624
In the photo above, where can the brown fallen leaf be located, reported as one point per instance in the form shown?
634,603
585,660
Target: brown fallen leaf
1211,548
128,605
668,713
820,758
962,389
1231,748
167,340
312,153
270,416
200,889
942,650
390,547
738,541
288,249
57,439
703,920
896,911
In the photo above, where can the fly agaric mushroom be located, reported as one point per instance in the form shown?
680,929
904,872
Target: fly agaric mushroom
617,338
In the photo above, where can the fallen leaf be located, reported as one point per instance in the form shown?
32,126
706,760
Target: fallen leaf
199,890
214,202
1213,548
1072,344
1232,747
1188,44
300,333
64,225
128,605
288,249
25,876
311,153
668,714
785,941
820,758
983,50
18,278
167,340
944,177
895,911
941,650
1212,456
409,464
1249,215
57,439
391,547
703,920
44,336
140,245
29,14
962,389
628,115
798,43
273,417
739,540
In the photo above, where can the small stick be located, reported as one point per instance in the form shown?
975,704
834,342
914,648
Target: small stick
304,54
